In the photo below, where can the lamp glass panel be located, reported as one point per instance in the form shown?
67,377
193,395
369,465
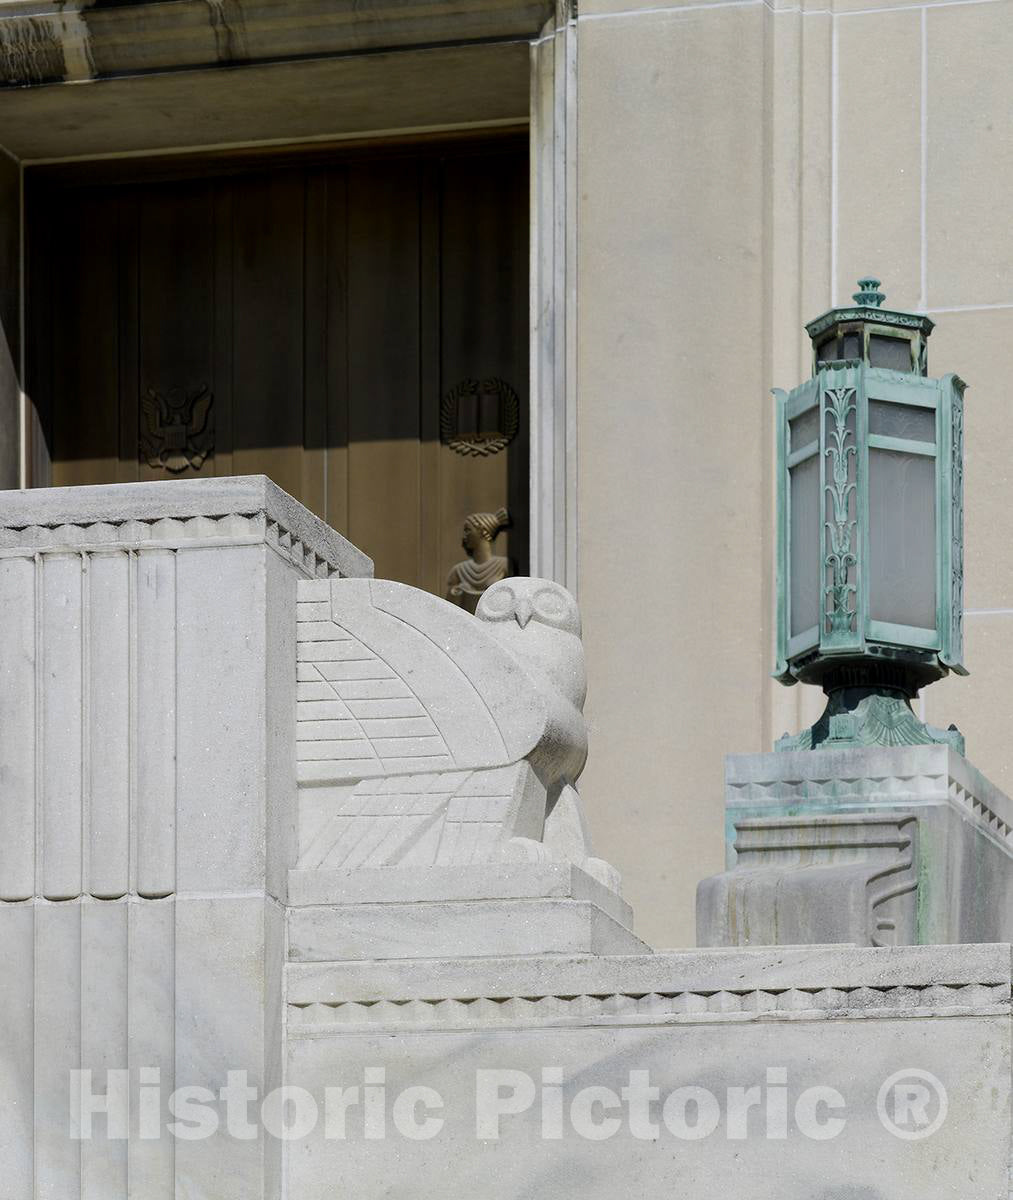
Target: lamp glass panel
891,352
805,429
852,346
827,351
902,538
902,421
804,499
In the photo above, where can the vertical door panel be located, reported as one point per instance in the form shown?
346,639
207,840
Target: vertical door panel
432,574
336,383
313,486
128,400
175,340
40,348
84,343
383,366
267,329
484,328
223,365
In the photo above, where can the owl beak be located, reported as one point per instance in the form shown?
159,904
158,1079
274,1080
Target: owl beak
522,613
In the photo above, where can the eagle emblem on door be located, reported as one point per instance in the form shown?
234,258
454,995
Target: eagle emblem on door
177,428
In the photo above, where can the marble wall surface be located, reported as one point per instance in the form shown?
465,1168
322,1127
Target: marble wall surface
697,1026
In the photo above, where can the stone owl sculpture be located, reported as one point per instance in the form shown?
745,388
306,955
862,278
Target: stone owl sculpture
538,622
427,736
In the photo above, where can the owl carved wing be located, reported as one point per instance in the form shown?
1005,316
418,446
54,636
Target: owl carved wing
414,727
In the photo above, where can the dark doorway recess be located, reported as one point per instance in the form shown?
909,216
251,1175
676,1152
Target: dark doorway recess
301,316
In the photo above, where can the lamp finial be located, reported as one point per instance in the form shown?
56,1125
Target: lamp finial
869,295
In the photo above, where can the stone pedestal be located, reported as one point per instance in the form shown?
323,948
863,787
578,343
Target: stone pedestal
147,814
880,846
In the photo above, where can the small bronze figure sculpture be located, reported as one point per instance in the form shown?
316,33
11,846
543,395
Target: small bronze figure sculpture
481,569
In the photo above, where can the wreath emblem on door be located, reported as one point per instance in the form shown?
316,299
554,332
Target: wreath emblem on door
178,431
479,417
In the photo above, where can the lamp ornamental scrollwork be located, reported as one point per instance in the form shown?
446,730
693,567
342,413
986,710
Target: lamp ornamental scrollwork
870,465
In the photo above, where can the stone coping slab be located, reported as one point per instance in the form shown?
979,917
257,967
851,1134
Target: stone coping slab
31,515
784,968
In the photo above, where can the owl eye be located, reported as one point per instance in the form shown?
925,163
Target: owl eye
550,604
497,602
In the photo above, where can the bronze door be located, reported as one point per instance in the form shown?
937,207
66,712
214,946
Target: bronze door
348,328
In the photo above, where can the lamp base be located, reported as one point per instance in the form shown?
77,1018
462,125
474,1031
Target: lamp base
869,716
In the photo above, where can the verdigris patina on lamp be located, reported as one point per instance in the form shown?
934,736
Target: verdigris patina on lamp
870,527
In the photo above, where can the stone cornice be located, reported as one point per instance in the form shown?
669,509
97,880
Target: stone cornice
813,1004
691,987
875,316
52,42
240,509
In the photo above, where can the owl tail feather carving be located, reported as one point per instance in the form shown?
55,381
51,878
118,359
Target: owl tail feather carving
434,738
